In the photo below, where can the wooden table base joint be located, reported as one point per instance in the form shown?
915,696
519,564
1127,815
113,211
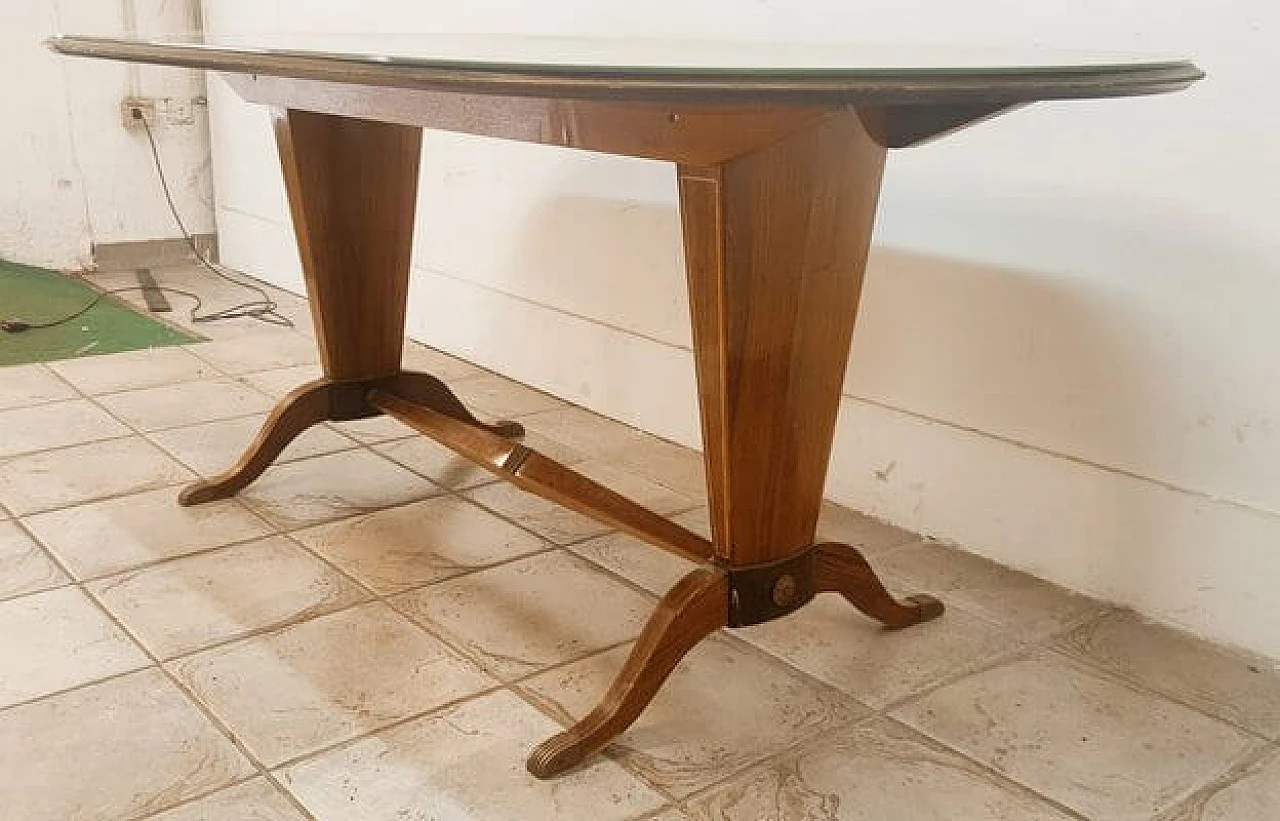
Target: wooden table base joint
763,592
702,602
330,400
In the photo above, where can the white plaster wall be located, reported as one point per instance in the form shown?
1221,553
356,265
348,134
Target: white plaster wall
72,174
1065,353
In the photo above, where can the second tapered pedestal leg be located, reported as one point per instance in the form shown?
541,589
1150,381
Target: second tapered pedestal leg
352,188
776,242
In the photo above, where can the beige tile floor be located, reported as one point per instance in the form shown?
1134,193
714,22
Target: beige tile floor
377,631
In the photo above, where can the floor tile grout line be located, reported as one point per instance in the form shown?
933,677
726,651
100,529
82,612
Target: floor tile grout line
39,403
1030,652
1053,644
1246,766
149,814
236,373
187,694
459,647
430,712
986,767
294,620
25,454
163,560
1021,647
83,685
111,496
870,717
181,380
25,530
214,720
1133,685
499,685
143,431
23,594
986,665
1003,777
214,377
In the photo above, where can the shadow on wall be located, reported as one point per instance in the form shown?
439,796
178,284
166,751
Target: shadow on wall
994,351
1135,358
580,296
1141,368
1179,388
1132,332
615,261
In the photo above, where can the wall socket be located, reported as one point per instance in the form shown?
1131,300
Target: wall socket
135,109
158,111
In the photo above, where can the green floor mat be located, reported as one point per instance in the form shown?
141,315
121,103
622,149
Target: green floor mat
35,295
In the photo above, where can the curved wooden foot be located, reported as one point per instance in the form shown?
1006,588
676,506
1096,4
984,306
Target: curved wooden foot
696,607
435,394
305,406
842,569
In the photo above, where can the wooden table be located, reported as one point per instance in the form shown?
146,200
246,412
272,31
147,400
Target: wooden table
779,152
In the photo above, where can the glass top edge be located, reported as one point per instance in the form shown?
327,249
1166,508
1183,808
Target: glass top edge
641,57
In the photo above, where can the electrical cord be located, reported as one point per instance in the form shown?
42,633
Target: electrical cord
263,309
18,325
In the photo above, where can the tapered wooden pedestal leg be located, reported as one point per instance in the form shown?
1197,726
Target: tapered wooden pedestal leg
776,243
352,188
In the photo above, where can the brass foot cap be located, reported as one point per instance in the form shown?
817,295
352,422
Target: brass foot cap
198,493
555,756
928,607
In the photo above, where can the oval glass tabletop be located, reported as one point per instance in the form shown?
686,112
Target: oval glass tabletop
652,68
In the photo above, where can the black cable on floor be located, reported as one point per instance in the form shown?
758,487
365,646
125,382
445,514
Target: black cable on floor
263,309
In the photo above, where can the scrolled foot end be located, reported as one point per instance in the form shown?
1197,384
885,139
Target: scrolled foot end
927,607
555,756
197,493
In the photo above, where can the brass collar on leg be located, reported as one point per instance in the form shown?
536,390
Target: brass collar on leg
764,592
